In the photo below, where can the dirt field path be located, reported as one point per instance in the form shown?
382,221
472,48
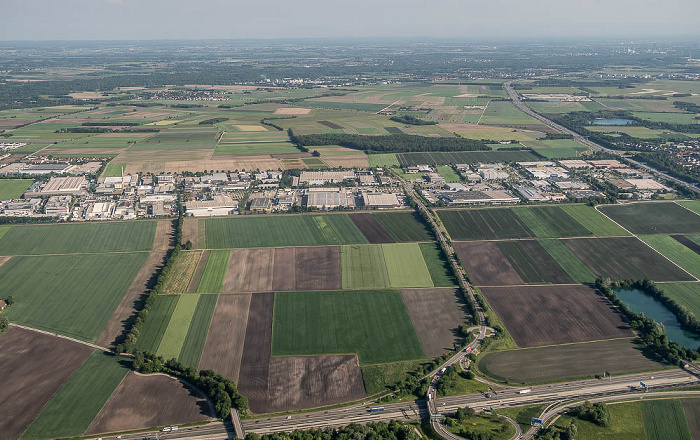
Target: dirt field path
162,241
4,260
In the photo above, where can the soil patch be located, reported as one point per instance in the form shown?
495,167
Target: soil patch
4,260
142,284
548,315
424,305
370,227
249,270
223,348
190,232
330,124
292,111
149,401
255,363
692,414
36,366
318,268
284,273
486,264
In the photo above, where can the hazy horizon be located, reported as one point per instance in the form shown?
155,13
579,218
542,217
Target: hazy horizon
132,20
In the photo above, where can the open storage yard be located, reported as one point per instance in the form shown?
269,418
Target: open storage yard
547,315
560,362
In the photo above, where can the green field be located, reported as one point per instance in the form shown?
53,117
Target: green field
13,188
363,267
675,251
71,411
505,113
449,174
373,324
626,423
571,265
78,238
74,295
438,266
404,226
3,230
199,328
383,160
693,205
176,331
556,149
685,294
671,118
156,323
594,221
289,230
213,277
532,263
654,218
484,224
223,149
405,265
551,222
114,169
665,419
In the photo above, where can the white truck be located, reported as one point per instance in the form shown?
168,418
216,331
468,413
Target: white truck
525,391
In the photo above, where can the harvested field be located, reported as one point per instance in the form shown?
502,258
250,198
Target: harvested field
183,267
485,263
532,262
484,224
292,111
624,258
370,227
198,272
284,274
547,315
454,157
254,372
223,348
423,306
190,232
247,163
39,364
298,382
249,270
318,268
570,361
141,284
150,401
353,161
654,218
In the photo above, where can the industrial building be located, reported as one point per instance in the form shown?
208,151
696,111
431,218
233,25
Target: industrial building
220,205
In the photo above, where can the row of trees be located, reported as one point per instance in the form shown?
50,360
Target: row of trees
685,317
395,143
394,430
650,332
212,121
411,120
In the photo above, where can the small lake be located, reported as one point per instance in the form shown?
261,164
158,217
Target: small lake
612,122
640,302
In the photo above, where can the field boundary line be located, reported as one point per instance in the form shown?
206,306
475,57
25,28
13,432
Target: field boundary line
685,207
89,344
482,112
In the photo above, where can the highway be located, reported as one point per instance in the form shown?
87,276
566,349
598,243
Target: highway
513,95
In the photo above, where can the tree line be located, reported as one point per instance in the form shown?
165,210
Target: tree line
395,143
411,120
393,430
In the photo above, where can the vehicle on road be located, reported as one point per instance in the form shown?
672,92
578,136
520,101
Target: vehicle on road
378,409
525,391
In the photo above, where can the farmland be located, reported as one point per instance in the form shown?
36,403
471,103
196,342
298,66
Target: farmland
292,230
34,381
485,263
73,408
560,362
370,228
664,419
685,294
344,319
183,269
213,276
602,256
556,149
78,238
157,322
13,188
176,331
403,226
654,218
74,295
483,224
551,222
578,272
405,265
521,309
197,333
675,251
532,263
469,157
363,267
438,267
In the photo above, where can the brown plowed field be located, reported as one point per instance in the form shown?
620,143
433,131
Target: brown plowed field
318,268
692,414
223,348
425,306
255,363
547,315
283,269
485,263
533,263
34,367
249,270
190,231
148,401
567,361
298,382
624,258
197,275
283,272
370,227
142,283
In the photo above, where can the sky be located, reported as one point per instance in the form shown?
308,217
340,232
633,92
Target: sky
223,19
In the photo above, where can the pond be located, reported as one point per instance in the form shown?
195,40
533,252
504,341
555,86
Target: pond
612,122
639,302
